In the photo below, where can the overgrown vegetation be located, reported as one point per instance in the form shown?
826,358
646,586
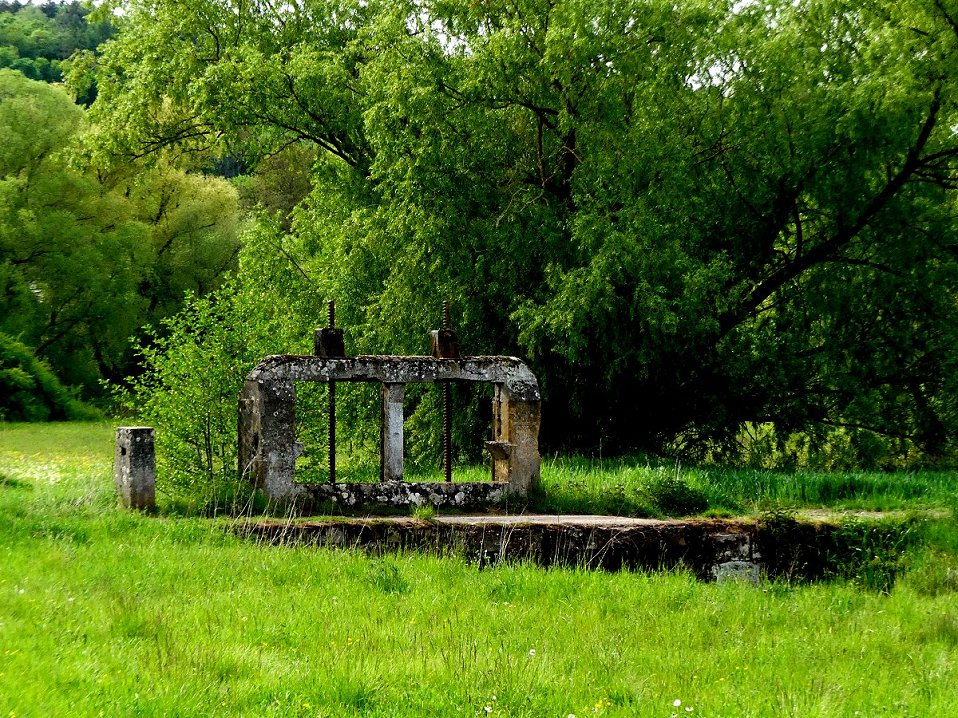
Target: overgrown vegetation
104,611
691,218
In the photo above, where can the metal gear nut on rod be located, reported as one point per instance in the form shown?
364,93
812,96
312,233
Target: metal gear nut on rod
445,345
328,342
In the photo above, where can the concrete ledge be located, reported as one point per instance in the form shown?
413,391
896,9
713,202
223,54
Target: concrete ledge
608,543
742,549
463,496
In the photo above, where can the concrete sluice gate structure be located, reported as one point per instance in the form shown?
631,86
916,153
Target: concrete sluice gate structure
267,432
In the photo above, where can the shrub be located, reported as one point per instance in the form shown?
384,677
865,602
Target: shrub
29,391
196,362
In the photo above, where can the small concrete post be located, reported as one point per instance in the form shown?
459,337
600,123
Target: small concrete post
391,437
134,467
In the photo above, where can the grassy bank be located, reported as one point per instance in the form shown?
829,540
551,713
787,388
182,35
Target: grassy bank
643,486
650,487
109,613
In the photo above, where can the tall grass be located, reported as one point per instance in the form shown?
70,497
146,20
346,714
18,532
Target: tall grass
105,612
642,486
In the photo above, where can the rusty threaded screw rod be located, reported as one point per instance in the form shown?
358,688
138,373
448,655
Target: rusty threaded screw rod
446,408
331,316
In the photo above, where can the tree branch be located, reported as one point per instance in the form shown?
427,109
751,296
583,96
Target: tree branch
845,234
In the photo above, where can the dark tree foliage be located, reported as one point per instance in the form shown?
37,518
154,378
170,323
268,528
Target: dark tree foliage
29,391
691,216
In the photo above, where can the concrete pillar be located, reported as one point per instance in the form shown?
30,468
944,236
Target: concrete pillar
267,437
391,432
134,467
524,461
500,447
515,448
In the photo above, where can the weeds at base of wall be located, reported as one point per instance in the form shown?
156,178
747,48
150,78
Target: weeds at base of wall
871,554
425,512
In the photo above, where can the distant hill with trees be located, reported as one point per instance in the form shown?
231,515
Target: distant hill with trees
38,40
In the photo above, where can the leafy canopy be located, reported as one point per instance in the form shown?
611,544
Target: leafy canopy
87,256
690,216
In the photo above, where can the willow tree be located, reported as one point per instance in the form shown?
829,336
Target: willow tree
690,216
88,257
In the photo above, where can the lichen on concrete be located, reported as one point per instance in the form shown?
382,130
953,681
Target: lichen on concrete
463,496
267,432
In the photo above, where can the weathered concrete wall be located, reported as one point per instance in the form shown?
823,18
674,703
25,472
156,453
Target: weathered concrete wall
134,467
267,439
713,549
267,449
703,547
515,426
509,371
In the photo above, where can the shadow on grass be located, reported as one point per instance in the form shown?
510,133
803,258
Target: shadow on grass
11,483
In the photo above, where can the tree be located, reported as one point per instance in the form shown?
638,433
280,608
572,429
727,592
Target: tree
690,216
87,259
39,40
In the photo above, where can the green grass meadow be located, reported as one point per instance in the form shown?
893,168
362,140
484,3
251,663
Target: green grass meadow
106,612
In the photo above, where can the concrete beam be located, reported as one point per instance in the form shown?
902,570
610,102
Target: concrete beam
511,372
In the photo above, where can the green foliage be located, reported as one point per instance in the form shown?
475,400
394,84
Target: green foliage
88,255
627,486
425,512
38,41
688,216
280,182
386,575
196,362
870,553
933,573
673,497
29,391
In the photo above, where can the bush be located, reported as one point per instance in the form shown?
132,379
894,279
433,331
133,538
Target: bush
29,391
871,554
196,362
